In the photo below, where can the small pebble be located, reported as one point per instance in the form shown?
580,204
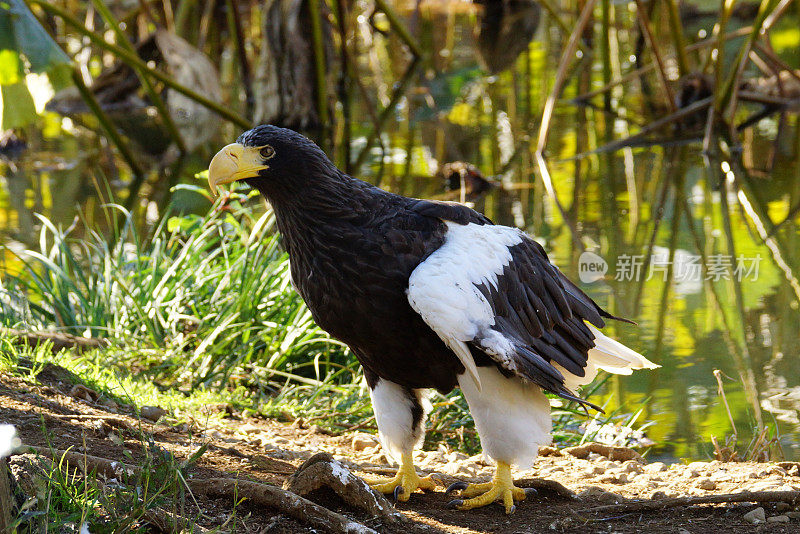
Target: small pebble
632,466
594,492
153,413
595,470
81,392
706,484
108,404
362,441
655,467
778,519
755,516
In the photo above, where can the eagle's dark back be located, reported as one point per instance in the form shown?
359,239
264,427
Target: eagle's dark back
352,248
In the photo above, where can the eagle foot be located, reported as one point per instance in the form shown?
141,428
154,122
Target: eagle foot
405,482
501,488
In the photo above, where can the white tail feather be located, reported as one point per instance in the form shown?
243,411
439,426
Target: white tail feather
609,355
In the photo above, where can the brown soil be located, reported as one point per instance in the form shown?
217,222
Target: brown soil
269,451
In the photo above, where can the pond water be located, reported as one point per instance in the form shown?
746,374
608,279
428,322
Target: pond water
701,250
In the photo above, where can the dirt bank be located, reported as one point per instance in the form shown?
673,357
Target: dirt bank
53,414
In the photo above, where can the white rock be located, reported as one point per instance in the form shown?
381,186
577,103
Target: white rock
755,516
479,459
698,466
655,467
362,441
248,428
456,456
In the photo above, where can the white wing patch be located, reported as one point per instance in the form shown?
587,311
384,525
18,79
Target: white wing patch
442,289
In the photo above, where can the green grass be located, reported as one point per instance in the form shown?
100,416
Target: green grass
209,295
66,498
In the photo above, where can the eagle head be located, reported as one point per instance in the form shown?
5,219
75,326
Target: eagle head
270,159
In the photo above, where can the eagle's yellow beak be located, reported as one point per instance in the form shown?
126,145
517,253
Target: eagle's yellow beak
234,162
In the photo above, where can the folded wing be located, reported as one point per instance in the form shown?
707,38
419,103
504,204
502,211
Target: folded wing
492,289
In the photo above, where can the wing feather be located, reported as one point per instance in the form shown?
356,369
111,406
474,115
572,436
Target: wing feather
515,307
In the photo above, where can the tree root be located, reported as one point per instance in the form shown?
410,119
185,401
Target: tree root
171,523
281,500
790,497
322,470
543,484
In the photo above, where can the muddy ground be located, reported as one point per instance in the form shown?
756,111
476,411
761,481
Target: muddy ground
53,413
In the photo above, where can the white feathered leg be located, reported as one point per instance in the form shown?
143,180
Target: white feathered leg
513,421
400,413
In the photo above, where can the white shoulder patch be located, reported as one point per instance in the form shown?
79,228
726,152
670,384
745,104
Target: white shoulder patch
442,289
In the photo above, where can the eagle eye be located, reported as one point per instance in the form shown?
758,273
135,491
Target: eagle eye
267,151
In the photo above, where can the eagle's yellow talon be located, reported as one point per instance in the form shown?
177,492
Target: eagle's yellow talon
406,480
473,490
500,488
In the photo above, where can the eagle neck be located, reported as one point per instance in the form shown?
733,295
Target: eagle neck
314,218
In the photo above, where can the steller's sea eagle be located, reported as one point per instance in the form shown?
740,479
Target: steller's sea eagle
429,295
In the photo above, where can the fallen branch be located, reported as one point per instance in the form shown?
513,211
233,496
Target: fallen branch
60,340
322,470
621,454
281,500
86,462
285,502
790,497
